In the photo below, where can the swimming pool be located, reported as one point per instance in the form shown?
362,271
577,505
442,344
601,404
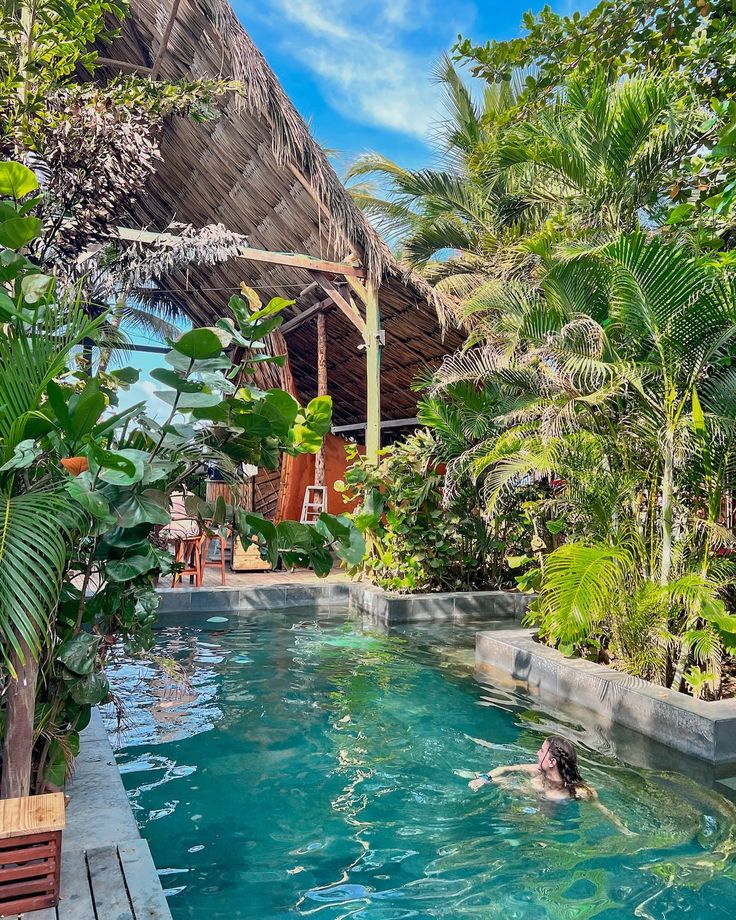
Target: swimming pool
314,766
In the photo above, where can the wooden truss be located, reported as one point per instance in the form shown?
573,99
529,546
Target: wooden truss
343,283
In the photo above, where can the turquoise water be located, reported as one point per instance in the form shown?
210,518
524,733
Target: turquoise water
311,766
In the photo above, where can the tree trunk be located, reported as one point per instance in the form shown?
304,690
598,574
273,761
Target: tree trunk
18,747
667,493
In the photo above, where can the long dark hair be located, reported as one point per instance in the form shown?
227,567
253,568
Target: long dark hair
567,762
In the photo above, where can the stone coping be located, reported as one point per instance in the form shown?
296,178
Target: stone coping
379,604
705,730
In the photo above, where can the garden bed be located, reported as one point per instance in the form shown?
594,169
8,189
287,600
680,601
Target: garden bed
703,729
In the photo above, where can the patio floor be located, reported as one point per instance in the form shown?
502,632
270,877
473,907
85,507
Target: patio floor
260,579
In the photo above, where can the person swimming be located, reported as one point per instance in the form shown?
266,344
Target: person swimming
555,777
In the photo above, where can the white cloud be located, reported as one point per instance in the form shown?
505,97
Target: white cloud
144,390
363,61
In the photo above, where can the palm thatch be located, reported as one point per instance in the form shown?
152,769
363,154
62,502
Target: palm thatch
258,171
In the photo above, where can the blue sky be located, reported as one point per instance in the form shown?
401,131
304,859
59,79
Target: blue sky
361,74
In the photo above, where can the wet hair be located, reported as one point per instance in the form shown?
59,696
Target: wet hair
567,762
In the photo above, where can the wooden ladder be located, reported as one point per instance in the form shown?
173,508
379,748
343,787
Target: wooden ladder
315,502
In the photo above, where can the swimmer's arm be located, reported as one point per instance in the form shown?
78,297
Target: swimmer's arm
529,768
592,796
498,772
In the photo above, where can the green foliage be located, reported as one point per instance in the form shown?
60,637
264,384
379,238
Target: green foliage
414,542
582,220
84,489
620,37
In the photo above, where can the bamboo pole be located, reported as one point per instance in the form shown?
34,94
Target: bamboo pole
319,460
373,372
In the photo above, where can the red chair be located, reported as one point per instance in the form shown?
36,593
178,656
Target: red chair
207,542
189,551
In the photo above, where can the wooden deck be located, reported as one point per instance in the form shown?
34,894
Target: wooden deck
109,883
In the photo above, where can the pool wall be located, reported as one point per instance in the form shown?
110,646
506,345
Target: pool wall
381,605
706,730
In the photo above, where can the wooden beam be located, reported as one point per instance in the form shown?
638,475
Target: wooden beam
391,423
292,259
165,40
344,303
300,318
121,65
148,349
319,460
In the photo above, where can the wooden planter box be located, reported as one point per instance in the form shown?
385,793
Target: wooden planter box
30,852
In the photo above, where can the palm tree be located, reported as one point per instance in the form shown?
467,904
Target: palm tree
595,161
599,156
455,223
37,515
630,404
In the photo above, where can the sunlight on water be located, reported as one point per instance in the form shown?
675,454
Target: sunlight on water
311,767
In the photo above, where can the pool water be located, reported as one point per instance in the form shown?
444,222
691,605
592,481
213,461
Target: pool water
310,765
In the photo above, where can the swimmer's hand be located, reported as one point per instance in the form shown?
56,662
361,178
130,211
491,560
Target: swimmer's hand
478,783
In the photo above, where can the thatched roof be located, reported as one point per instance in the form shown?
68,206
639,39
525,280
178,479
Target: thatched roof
258,171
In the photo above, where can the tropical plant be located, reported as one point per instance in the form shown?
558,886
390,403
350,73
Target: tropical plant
95,148
415,542
691,37
688,41
457,223
602,153
83,487
620,398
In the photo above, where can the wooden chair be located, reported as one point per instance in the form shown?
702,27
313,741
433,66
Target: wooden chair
217,563
189,551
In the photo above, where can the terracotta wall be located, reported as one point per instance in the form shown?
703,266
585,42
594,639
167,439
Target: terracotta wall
298,472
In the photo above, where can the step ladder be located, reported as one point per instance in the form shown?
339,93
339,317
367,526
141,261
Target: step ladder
315,503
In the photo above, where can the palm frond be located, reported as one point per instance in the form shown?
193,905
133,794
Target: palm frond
33,526
582,585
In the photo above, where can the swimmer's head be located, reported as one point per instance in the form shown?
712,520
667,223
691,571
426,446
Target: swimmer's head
558,754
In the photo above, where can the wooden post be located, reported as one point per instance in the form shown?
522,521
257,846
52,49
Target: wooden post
319,461
373,372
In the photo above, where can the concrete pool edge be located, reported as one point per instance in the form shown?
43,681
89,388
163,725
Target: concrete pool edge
384,606
706,730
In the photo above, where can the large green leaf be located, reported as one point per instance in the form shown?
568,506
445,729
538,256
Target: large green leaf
582,585
119,467
250,525
90,499
24,455
349,543
280,409
178,382
293,535
79,653
19,231
86,410
90,690
203,343
16,180
34,532
130,567
140,509
189,400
